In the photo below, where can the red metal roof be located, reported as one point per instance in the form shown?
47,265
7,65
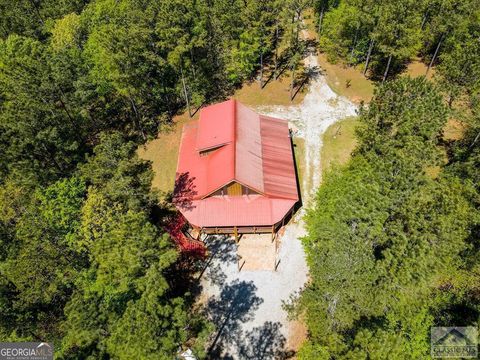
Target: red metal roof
278,166
217,125
229,143
252,210
248,149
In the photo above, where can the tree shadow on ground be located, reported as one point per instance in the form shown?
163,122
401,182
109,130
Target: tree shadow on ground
307,75
235,305
309,46
222,250
265,342
377,69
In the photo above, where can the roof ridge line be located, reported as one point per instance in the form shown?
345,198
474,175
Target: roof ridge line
234,142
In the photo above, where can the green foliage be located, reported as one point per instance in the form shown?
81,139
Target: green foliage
355,31
397,30
338,29
127,257
66,32
116,169
41,267
378,229
41,137
459,68
404,119
310,351
31,17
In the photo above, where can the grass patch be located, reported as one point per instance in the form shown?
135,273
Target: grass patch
453,130
163,153
417,68
350,82
338,143
275,92
346,80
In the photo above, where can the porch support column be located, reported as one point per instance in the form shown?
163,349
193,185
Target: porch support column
235,233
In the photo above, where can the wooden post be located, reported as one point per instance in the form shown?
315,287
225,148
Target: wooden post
235,233
273,232
275,263
276,51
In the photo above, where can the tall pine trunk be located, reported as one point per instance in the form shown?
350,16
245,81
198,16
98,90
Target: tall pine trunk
354,45
192,59
435,54
370,48
474,141
297,29
50,157
136,120
292,84
185,93
424,20
64,106
320,20
261,67
387,68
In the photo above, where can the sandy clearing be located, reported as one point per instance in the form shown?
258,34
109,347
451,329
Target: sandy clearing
246,306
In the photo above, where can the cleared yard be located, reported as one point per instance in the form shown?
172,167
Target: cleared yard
163,153
338,143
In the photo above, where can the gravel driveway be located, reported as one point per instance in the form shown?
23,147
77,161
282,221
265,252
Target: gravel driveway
246,306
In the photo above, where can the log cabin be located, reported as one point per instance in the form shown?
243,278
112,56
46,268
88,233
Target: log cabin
235,172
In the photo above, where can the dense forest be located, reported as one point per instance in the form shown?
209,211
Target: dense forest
82,84
393,240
